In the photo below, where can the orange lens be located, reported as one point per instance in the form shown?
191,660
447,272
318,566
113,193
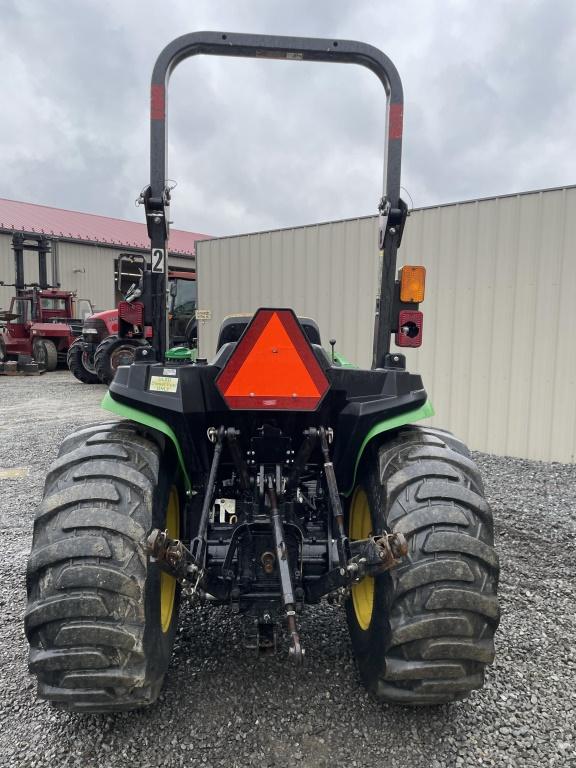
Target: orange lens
412,282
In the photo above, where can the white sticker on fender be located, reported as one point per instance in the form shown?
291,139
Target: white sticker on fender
163,384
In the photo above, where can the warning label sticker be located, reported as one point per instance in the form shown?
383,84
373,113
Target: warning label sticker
163,384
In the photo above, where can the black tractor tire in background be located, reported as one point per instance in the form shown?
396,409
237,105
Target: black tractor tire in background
45,353
191,333
100,636
429,634
112,352
80,365
3,355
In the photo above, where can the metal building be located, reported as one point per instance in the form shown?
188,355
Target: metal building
499,351
84,249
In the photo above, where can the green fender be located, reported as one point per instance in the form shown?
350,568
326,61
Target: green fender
343,362
424,412
153,422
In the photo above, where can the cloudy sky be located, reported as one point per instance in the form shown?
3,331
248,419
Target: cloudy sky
490,107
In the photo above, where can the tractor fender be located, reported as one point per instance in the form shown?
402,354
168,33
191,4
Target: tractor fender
152,423
423,412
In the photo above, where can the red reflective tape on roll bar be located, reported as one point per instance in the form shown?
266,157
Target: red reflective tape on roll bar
157,102
396,121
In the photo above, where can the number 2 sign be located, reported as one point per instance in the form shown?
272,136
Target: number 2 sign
158,260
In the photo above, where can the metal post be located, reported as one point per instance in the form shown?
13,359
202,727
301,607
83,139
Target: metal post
55,265
43,251
18,248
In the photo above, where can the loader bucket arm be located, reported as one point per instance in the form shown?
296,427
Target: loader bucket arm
157,196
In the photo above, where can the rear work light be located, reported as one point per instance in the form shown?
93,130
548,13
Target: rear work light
409,333
273,367
412,284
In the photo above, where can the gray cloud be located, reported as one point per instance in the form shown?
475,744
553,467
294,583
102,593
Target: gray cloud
490,106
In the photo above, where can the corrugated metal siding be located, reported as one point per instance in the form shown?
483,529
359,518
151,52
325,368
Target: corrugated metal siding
87,269
499,352
328,272
6,270
499,358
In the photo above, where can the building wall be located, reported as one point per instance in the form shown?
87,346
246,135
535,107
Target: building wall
328,272
85,268
499,351
498,357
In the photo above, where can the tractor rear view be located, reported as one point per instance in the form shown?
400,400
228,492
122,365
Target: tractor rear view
266,479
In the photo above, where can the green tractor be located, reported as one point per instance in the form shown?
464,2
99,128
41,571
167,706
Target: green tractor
267,479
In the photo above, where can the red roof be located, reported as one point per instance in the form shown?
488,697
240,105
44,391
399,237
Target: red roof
73,225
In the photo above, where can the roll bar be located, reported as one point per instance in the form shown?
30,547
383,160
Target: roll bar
156,197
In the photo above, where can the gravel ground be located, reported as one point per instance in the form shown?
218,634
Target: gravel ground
220,708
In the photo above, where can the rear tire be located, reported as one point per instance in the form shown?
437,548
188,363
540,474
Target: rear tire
79,365
99,627
45,354
111,353
423,633
3,355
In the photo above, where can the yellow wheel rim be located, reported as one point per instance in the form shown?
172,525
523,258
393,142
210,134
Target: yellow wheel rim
361,528
167,582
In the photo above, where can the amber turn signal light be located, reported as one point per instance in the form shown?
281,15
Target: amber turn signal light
412,283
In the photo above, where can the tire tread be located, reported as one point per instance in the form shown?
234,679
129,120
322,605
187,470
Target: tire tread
87,572
442,607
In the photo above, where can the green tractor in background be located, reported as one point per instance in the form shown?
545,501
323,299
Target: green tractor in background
266,479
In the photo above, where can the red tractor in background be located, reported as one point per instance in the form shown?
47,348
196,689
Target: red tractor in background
43,321
110,339
42,324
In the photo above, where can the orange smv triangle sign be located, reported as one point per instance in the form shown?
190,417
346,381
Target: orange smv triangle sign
273,367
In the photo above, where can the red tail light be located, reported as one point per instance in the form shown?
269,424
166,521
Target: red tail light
273,367
409,332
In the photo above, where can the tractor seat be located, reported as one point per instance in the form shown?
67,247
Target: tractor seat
234,326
